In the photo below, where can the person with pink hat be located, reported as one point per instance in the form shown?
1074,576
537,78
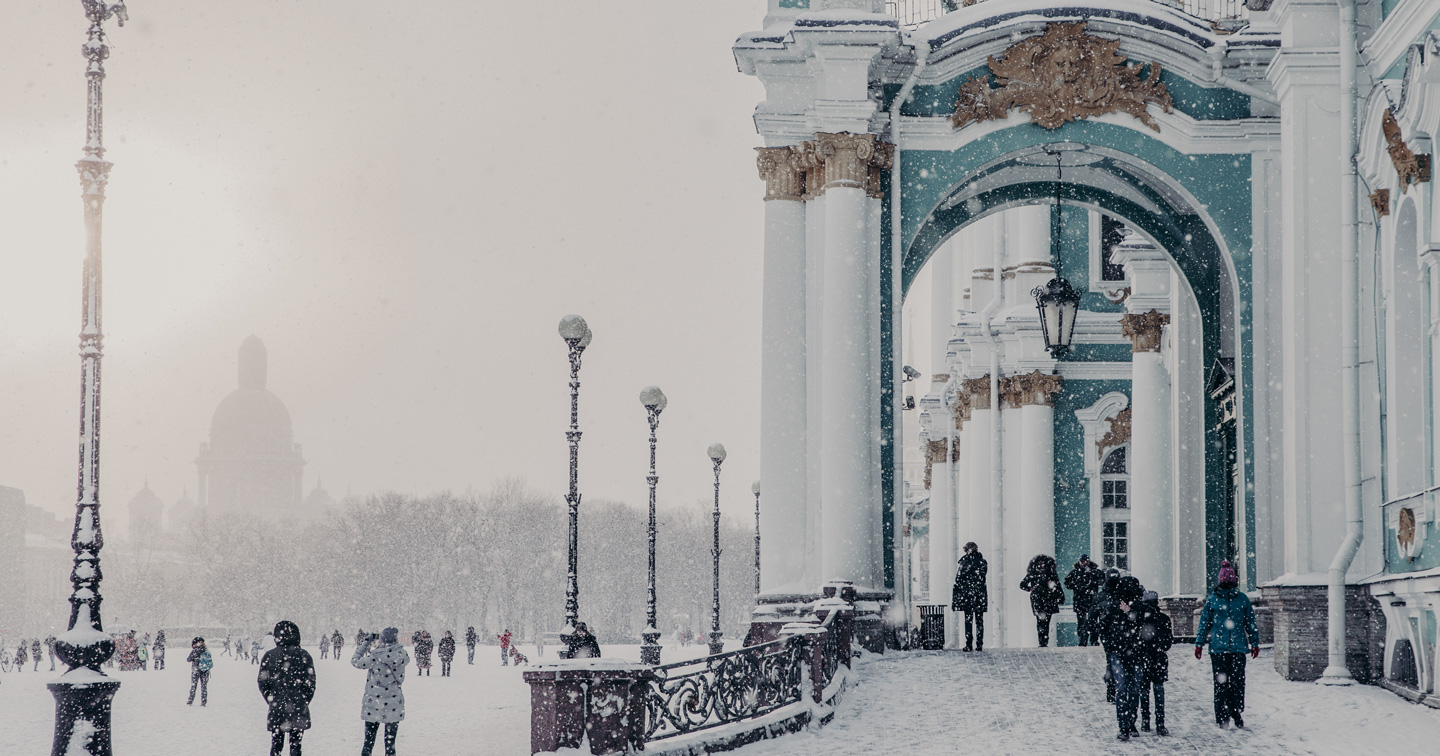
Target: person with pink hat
1227,623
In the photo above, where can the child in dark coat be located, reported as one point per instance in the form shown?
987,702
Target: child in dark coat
1156,637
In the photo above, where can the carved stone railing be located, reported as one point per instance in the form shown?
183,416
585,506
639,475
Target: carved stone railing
914,14
711,703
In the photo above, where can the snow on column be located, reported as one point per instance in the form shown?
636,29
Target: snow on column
850,540
1036,392
783,373
1152,503
977,432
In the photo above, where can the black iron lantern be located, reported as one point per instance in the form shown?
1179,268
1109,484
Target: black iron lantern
1057,300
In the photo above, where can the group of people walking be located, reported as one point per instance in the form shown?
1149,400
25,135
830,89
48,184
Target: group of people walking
1114,610
27,651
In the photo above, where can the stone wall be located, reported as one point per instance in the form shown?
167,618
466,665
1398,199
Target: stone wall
1302,626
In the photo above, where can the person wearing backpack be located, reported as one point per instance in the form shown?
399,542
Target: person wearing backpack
1042,581
200,664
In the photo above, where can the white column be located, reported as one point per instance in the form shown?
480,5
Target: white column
850,542
1037,456
977,430
1151,497
783,375
1019,627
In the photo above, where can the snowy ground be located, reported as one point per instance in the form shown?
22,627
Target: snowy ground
1052,701
482,709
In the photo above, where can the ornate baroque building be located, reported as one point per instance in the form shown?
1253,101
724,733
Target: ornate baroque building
1240,194
252,464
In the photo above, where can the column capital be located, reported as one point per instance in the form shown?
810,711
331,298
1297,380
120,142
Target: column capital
857,161
960,409
783,170
979,391
1035,389
1144,330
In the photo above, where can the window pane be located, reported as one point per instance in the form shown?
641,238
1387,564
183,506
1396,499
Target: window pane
1108,529
1122,562
1122,529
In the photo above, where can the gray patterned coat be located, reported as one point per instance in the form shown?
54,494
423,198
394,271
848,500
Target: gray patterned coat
384,701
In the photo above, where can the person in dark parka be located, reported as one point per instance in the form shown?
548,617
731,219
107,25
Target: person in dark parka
1098,610
1119,631
1084,580
158,649
287,681
471,638
1227,623
581,644
969,596
1156,637
1042,581
446,650
424,646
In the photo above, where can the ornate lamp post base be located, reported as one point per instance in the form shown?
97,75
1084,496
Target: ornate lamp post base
650,649
82,716
716,645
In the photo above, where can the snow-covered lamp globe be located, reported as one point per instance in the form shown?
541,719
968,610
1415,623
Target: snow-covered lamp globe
575,331
755,488
653,399
716,452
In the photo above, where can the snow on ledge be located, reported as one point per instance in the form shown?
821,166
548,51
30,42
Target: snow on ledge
1298,580
612,665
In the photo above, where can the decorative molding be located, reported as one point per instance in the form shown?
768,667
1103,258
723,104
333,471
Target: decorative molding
1144,330
1409,167
979,391
1061,76
1118,435
783,170
940,378
960,410
1029,389
1380,201
1094,371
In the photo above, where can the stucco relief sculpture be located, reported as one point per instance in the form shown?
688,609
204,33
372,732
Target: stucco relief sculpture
1380,201
1405,533
1410,168
1118,435
1061,76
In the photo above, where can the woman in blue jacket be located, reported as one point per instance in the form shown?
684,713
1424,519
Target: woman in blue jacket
1227,623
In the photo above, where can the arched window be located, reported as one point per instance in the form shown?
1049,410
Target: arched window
1115,509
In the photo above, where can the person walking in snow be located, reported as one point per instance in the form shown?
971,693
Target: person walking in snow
1119,631
424,645
384,701
471,638
159,650
35,652
970,596
21,656
50,650
504,647
447,653
287,682
1042,581
337,642
1156,636
226,652
580,644
255,651
1227,623
1098,610
1083,580
324,645
200,664
142,652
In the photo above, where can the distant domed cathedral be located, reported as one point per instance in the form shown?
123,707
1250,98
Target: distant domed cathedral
252,463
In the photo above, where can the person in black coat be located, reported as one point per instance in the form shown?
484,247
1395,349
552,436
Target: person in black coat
580,644
970,596
1084,580
1156,637
1120,633
287,681
1098,610
471,638
446,650
1042,581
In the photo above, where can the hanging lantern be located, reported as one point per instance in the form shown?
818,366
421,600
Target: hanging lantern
1058,304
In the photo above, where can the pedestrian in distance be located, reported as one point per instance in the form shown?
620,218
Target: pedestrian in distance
471,638
504,639
517,657
287,682
21,656
324,645
1097,611
424,646
142,653
337,642
971,597
1084,580
580,644
540,645
255,651
447,653
35,653
1156,637
1042,581
384,661
159,650
200,664
1227,623
50,650
1119,632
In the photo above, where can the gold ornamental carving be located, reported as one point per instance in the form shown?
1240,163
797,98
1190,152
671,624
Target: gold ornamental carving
1405,531
979,391
1119,433
1380,201
1409,167
960,410
1036,389
1144,330
783,170
1061,76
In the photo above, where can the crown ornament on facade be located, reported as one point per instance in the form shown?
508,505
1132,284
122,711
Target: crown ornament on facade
1061,76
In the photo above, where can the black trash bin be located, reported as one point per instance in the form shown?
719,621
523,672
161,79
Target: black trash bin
932,627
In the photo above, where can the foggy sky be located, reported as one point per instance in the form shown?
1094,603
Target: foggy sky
401,200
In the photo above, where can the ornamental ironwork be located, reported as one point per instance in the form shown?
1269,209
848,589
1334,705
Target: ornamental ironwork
1061,76
715,690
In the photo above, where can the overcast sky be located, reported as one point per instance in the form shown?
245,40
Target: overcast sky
401,200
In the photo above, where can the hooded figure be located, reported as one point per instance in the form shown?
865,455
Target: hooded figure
384,702
1119,631
287,681
581,644
1227,623
1156,636
1042,580
447,653
1084,582
969,595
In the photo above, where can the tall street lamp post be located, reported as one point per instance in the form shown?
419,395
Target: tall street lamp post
755,489
577,335
84,693
717,455
654,400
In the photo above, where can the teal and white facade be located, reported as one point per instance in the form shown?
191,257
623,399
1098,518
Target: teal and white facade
1253,373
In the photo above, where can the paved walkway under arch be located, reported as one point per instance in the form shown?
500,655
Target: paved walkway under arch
1051,701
